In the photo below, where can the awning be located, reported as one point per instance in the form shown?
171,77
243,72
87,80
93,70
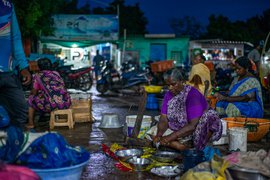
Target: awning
70,44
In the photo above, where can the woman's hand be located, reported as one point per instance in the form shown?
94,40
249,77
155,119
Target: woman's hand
156,139
220,97
26,77
166,140
33,92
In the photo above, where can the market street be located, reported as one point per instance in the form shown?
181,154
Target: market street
91,137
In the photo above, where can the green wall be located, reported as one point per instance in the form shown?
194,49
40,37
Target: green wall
142,45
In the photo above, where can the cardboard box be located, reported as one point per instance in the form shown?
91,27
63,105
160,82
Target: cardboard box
82,117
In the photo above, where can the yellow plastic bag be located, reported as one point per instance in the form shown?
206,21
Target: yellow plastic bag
211,170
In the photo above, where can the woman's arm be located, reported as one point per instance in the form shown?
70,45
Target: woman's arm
162,125
244,98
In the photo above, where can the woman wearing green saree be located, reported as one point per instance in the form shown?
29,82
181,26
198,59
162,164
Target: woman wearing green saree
245,94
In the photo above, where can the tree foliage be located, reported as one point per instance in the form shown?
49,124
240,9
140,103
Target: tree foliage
187,26
34,17
131,17
253,29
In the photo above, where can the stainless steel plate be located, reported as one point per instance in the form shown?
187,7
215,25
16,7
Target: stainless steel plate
165,156
167,171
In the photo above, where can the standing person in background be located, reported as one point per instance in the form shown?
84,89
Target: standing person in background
12,57
255,56
97,61
199,74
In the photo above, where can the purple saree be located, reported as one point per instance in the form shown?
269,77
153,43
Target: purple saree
187,105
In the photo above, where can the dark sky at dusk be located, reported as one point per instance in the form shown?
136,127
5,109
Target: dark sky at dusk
158,12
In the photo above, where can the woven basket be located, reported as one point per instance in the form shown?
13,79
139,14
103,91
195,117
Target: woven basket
257,128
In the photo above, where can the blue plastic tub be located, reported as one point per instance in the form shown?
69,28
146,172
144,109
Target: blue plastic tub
191,158
151,102
66,173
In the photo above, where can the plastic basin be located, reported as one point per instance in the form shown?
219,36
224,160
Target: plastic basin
67,173
257,128
153,89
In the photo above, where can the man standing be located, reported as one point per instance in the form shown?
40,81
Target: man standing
254,56
12,57
97,61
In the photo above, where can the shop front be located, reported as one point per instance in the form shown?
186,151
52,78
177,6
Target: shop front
219,51
77,37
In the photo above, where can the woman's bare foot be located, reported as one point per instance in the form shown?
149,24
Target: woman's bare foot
178,146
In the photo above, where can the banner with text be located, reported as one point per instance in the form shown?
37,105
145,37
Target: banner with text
85,27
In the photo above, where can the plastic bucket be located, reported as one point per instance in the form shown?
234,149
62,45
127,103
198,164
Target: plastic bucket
67,173
191,158
152,102
238,139
224,127
145,126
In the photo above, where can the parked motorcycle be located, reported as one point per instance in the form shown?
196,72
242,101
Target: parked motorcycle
81,78
111,79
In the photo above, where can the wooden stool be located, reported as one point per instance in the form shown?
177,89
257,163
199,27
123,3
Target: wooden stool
62,121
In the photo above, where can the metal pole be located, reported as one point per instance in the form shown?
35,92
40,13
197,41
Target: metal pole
124,46
118,16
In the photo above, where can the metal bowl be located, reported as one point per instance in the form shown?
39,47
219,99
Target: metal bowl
126,154
165,156
139,164
110,120
244,174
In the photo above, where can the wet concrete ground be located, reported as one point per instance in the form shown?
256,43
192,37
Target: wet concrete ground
91,137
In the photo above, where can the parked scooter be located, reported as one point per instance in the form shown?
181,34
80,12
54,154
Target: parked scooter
111,79
78,79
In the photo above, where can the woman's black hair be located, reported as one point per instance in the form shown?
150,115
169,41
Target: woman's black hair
244,62
44,64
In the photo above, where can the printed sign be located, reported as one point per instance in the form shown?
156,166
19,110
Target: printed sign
85,27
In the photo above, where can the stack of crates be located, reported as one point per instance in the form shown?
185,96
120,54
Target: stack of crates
82,110
162,66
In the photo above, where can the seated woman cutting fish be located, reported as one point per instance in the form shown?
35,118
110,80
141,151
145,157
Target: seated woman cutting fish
185,120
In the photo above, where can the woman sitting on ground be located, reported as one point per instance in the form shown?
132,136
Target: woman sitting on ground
185,119
48,93
245,94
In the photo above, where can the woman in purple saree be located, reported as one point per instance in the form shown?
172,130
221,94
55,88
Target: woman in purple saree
48,93
185,120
